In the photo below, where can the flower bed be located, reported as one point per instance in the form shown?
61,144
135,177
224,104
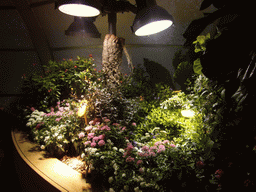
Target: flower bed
143,136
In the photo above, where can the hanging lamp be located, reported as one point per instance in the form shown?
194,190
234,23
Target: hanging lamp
150,18
79,8
83,27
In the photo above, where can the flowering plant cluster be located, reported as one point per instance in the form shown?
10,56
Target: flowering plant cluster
56,131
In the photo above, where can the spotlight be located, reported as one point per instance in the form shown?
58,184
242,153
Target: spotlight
151,20
83,27
79,8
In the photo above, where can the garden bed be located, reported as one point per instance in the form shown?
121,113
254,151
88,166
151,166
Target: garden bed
58,176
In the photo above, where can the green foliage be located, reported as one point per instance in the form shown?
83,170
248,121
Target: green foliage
182,68
200,43
197,67
61,80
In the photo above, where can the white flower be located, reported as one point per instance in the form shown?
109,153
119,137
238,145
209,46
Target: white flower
42,147
115,148
121,150
123,175
102,157
28,124
136,189
83,155
111,190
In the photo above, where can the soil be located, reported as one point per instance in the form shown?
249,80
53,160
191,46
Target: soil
75,163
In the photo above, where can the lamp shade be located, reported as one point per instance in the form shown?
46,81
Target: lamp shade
80,8
151,20
83,27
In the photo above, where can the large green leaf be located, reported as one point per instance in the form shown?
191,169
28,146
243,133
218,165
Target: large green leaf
197,66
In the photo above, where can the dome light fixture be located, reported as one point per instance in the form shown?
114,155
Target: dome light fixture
151,20
83,27
79,8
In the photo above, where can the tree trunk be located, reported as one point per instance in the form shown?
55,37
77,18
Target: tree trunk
112,59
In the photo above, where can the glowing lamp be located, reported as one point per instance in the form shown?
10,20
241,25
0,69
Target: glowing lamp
151,20
80,8
187,113
82,110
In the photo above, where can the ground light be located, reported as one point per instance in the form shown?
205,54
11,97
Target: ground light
187,113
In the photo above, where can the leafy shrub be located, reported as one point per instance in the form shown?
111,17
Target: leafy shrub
60,80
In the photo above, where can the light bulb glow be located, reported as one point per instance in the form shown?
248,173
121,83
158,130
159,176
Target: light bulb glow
187,113
153,27
79,10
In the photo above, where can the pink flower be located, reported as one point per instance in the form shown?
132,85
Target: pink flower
107,120
59,113
81,135
67,104
32,109
172,145
133,124
58,119
101,137
141,154
153,148
90,135
157,143
141,170
95,138
58,103
101,143
105,127
87,143
145,148
129,146
116,124
129,159
139,162
93,144
153,154
123,128
52,109
166,141
161,148
91,122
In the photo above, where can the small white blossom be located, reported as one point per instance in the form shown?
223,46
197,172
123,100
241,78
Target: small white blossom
115,148
42,147
121,150
123,175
